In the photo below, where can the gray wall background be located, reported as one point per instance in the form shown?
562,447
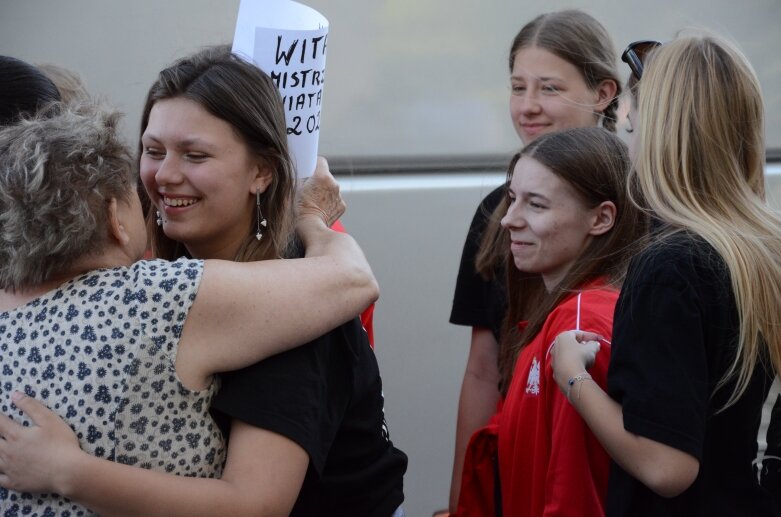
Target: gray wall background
406,78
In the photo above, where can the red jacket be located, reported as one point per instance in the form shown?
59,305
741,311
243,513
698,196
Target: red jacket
549,461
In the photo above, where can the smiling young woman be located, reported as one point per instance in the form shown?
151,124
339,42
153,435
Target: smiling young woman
562,75
571,230
201,177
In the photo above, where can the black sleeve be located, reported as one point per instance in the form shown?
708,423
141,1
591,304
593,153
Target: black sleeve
299,394
659,367
478,302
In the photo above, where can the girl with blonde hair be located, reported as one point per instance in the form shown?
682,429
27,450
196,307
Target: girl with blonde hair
688,417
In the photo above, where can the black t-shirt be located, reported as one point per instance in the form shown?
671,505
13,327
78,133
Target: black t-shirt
327,397
478,302
675,335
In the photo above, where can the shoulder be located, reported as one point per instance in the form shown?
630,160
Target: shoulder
594,299
181,271
588,309
680,260
157,284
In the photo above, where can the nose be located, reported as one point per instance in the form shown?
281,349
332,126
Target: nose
530,103
168,172
513,218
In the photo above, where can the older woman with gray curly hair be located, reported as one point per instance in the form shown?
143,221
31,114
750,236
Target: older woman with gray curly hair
124,350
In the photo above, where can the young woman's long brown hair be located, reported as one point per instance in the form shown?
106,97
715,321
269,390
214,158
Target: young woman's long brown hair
595,163
582,41
245,97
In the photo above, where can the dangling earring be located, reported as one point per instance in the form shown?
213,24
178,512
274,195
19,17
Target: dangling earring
261,220
159,219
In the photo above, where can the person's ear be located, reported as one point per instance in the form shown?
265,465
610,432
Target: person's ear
606,92
262,179
604,218
116,228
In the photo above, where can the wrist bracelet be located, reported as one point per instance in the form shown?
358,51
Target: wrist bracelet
579,378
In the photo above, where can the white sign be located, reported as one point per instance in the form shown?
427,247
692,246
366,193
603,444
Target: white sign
287,40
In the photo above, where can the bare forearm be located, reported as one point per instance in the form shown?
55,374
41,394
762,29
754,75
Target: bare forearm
320,241
115,489
664,469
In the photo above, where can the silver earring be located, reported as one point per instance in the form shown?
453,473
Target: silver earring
159,219
261,220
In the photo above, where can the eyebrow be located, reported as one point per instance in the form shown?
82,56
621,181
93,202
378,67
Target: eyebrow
184,143
528,195
542,79
534,195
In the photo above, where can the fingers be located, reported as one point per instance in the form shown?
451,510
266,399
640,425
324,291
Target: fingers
591,346
320,195
7,425
584,335
321,167
34,410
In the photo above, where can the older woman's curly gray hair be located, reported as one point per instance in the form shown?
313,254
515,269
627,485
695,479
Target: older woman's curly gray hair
58,172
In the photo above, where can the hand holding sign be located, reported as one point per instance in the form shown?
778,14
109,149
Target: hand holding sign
287,40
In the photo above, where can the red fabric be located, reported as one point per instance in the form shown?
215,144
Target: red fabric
367,316
549,461
476,497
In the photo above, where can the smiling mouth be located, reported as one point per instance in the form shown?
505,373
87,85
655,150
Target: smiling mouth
534,127
178,202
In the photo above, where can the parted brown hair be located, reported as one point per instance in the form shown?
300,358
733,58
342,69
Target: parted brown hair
244,96
58,171
595,163
582,41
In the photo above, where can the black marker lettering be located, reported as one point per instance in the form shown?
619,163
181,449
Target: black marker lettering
290,50
294,130
315,41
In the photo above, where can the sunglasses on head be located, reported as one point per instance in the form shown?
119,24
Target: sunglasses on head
635,54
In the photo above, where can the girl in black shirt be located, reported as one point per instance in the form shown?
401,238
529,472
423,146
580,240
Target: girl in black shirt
690,417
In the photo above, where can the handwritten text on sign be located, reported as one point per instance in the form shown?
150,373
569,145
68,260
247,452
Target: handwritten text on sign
298,71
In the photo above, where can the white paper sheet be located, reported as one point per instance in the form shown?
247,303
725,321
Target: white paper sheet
287,40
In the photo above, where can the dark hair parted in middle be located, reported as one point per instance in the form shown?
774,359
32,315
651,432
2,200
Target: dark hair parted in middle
595,163
244,96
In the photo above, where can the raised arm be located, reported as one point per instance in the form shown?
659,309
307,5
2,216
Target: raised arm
244,312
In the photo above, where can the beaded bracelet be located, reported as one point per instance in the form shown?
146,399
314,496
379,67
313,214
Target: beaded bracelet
579,378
